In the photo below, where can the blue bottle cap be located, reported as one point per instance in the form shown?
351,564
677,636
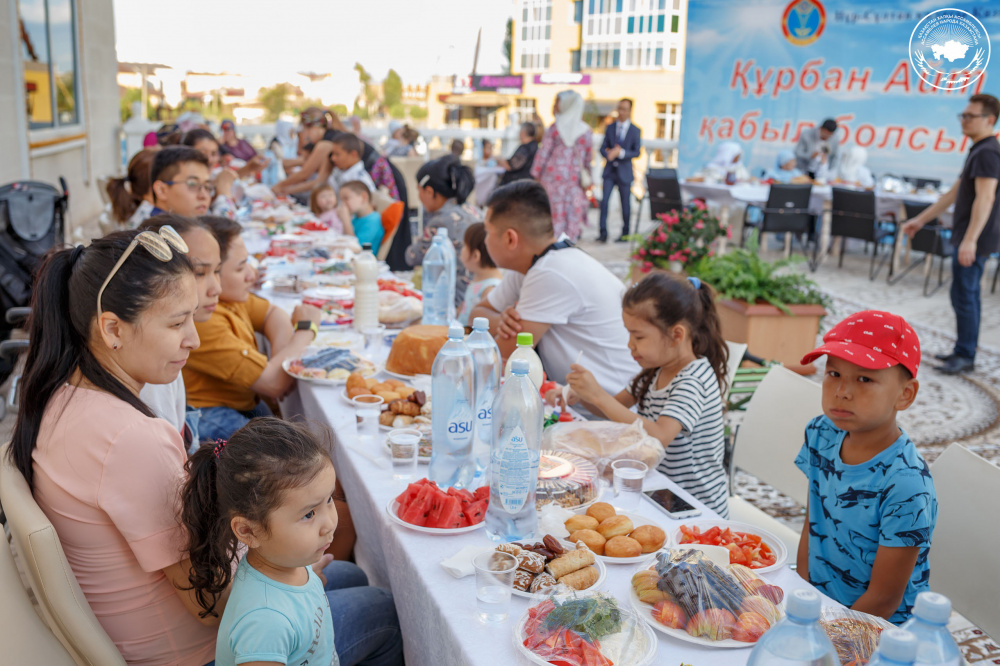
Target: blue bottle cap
932,607
456,332
480,324
898,645
803,605
519,366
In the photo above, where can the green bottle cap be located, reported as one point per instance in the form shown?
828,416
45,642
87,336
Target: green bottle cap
525,339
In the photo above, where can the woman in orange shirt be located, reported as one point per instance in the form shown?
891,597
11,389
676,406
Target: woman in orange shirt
106,320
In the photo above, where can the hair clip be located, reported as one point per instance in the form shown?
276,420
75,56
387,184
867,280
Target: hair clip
695,282
219,445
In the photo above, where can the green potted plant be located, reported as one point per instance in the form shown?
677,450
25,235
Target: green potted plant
776,312
682,238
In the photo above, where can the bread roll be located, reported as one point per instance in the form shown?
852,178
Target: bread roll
615,526
570,562
650,537
601,511
593,540
581,523
622,546
581,579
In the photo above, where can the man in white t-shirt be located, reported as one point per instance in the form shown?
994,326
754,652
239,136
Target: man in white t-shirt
564,297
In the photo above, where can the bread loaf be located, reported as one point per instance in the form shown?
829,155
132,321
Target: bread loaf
414,349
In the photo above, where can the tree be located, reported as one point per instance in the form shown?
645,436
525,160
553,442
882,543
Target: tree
274,100
366,100
418,113
339,109
392,90
397,111
508,46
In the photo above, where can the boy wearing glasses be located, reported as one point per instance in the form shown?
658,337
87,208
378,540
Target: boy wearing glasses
182,184
975,228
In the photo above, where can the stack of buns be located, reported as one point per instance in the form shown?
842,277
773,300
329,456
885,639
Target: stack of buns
612,535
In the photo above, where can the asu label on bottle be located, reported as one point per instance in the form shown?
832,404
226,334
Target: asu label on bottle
460,427
514,469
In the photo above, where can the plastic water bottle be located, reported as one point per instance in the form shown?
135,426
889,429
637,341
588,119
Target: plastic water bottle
435,281
526,350
798,640
453,378
365,289
929,624
486,358
450,270
517,442
896,647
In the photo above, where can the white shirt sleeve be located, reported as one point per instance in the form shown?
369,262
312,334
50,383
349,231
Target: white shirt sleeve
506,293
547,297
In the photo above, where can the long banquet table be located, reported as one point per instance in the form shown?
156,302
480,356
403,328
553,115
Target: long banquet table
437,612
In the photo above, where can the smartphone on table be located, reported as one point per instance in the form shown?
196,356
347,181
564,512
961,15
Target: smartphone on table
673,505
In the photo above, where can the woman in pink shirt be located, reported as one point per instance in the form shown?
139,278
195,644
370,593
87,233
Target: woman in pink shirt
106,320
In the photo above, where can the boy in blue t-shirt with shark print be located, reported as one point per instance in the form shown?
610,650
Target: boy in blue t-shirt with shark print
872,506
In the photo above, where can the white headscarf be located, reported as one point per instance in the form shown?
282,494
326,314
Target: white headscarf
569,118
851,164
725,152
284,131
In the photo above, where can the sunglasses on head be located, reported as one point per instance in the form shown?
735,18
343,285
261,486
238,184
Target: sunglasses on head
158,244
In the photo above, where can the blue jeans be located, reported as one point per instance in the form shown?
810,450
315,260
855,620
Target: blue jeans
365,627
221,422
966,302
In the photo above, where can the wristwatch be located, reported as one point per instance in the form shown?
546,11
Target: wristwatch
308,326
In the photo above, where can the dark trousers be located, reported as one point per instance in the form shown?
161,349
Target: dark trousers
966,302
625,194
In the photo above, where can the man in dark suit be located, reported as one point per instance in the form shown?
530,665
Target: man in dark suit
622,141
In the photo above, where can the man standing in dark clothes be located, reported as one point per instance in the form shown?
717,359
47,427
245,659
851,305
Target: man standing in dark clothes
975,229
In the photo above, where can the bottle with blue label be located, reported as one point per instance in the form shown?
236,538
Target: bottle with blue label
929,623
453,392
896,647
435,281
486,358
798,640
514,455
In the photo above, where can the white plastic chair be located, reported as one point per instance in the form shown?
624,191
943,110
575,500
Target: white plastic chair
767,442
736,351
965,541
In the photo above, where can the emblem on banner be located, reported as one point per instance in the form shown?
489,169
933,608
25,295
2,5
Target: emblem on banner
949,49
803,21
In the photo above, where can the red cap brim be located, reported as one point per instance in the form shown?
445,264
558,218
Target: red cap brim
851,352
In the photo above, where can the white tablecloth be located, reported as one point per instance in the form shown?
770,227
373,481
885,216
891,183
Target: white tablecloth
437,613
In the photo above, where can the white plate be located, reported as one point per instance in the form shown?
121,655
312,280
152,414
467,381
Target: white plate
645,611
392,507
330,292
637,520
602,573
777,545
646,651
405,378
326,382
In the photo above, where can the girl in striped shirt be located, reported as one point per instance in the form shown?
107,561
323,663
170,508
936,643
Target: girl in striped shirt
674,336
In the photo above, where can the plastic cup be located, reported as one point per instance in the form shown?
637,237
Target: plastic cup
494,584
404,447
367,409
373,338
628,476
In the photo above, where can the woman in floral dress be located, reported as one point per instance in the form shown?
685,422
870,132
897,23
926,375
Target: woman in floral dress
565,152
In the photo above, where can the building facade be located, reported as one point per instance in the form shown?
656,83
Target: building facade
605,50
59,100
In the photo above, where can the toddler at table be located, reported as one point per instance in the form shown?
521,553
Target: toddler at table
270,489
365,221
675,338
323,203
484,274
872,505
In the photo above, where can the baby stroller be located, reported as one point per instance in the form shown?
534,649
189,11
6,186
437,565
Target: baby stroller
32,221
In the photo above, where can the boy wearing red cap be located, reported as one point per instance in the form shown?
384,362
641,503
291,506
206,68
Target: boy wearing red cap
872,505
